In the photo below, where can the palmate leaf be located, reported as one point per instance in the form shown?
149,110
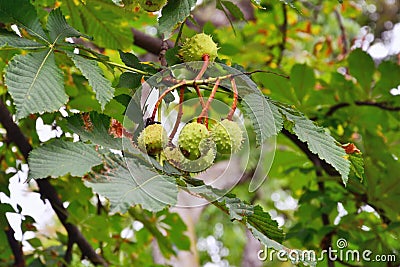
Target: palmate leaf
95,129
138,184
318,140
238,210
22,13
35,83
173,14
267,117
91,70
12,40
59,29
62,157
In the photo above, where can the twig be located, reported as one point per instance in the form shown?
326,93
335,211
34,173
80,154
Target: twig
46,190
16,247
204,112
203,69
284,25
267,71
180,113
235,100
167,91
163,51
343,37
201,100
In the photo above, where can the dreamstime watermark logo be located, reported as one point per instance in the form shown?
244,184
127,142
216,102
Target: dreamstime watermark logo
310,257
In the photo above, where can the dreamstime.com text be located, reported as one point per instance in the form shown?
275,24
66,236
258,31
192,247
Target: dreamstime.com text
340,254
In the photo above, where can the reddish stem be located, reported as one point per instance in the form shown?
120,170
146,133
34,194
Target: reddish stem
162,96
204,112
235,100
203,69
196,86
180,113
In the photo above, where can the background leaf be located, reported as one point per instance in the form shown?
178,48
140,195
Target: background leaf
174,13
303,80
25,16
62,157
35,83
233,9
361,67
106,22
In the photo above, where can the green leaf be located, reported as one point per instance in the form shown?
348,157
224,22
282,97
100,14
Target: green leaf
91,70
107,23
61,157
95,129
361,67
386,82
233,9
35,83
357,165
58,27
138,184
319,142
238,210
12,40
303,80
129,80
130,60
266,119
22,13
173,14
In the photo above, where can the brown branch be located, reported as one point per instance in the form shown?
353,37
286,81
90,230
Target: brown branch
147,42
163,51
16,247
343,37
235,99
283,29
381,105
180,113
47,191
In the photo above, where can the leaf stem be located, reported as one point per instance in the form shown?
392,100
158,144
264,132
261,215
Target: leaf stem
180,113
204,112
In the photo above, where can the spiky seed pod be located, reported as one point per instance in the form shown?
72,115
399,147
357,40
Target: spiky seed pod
190,137
228,137
152,5
179,161
152,139
194,48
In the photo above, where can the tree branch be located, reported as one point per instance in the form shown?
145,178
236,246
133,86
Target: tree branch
381,105
343,37
46,190
16,247
149,43
283,29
